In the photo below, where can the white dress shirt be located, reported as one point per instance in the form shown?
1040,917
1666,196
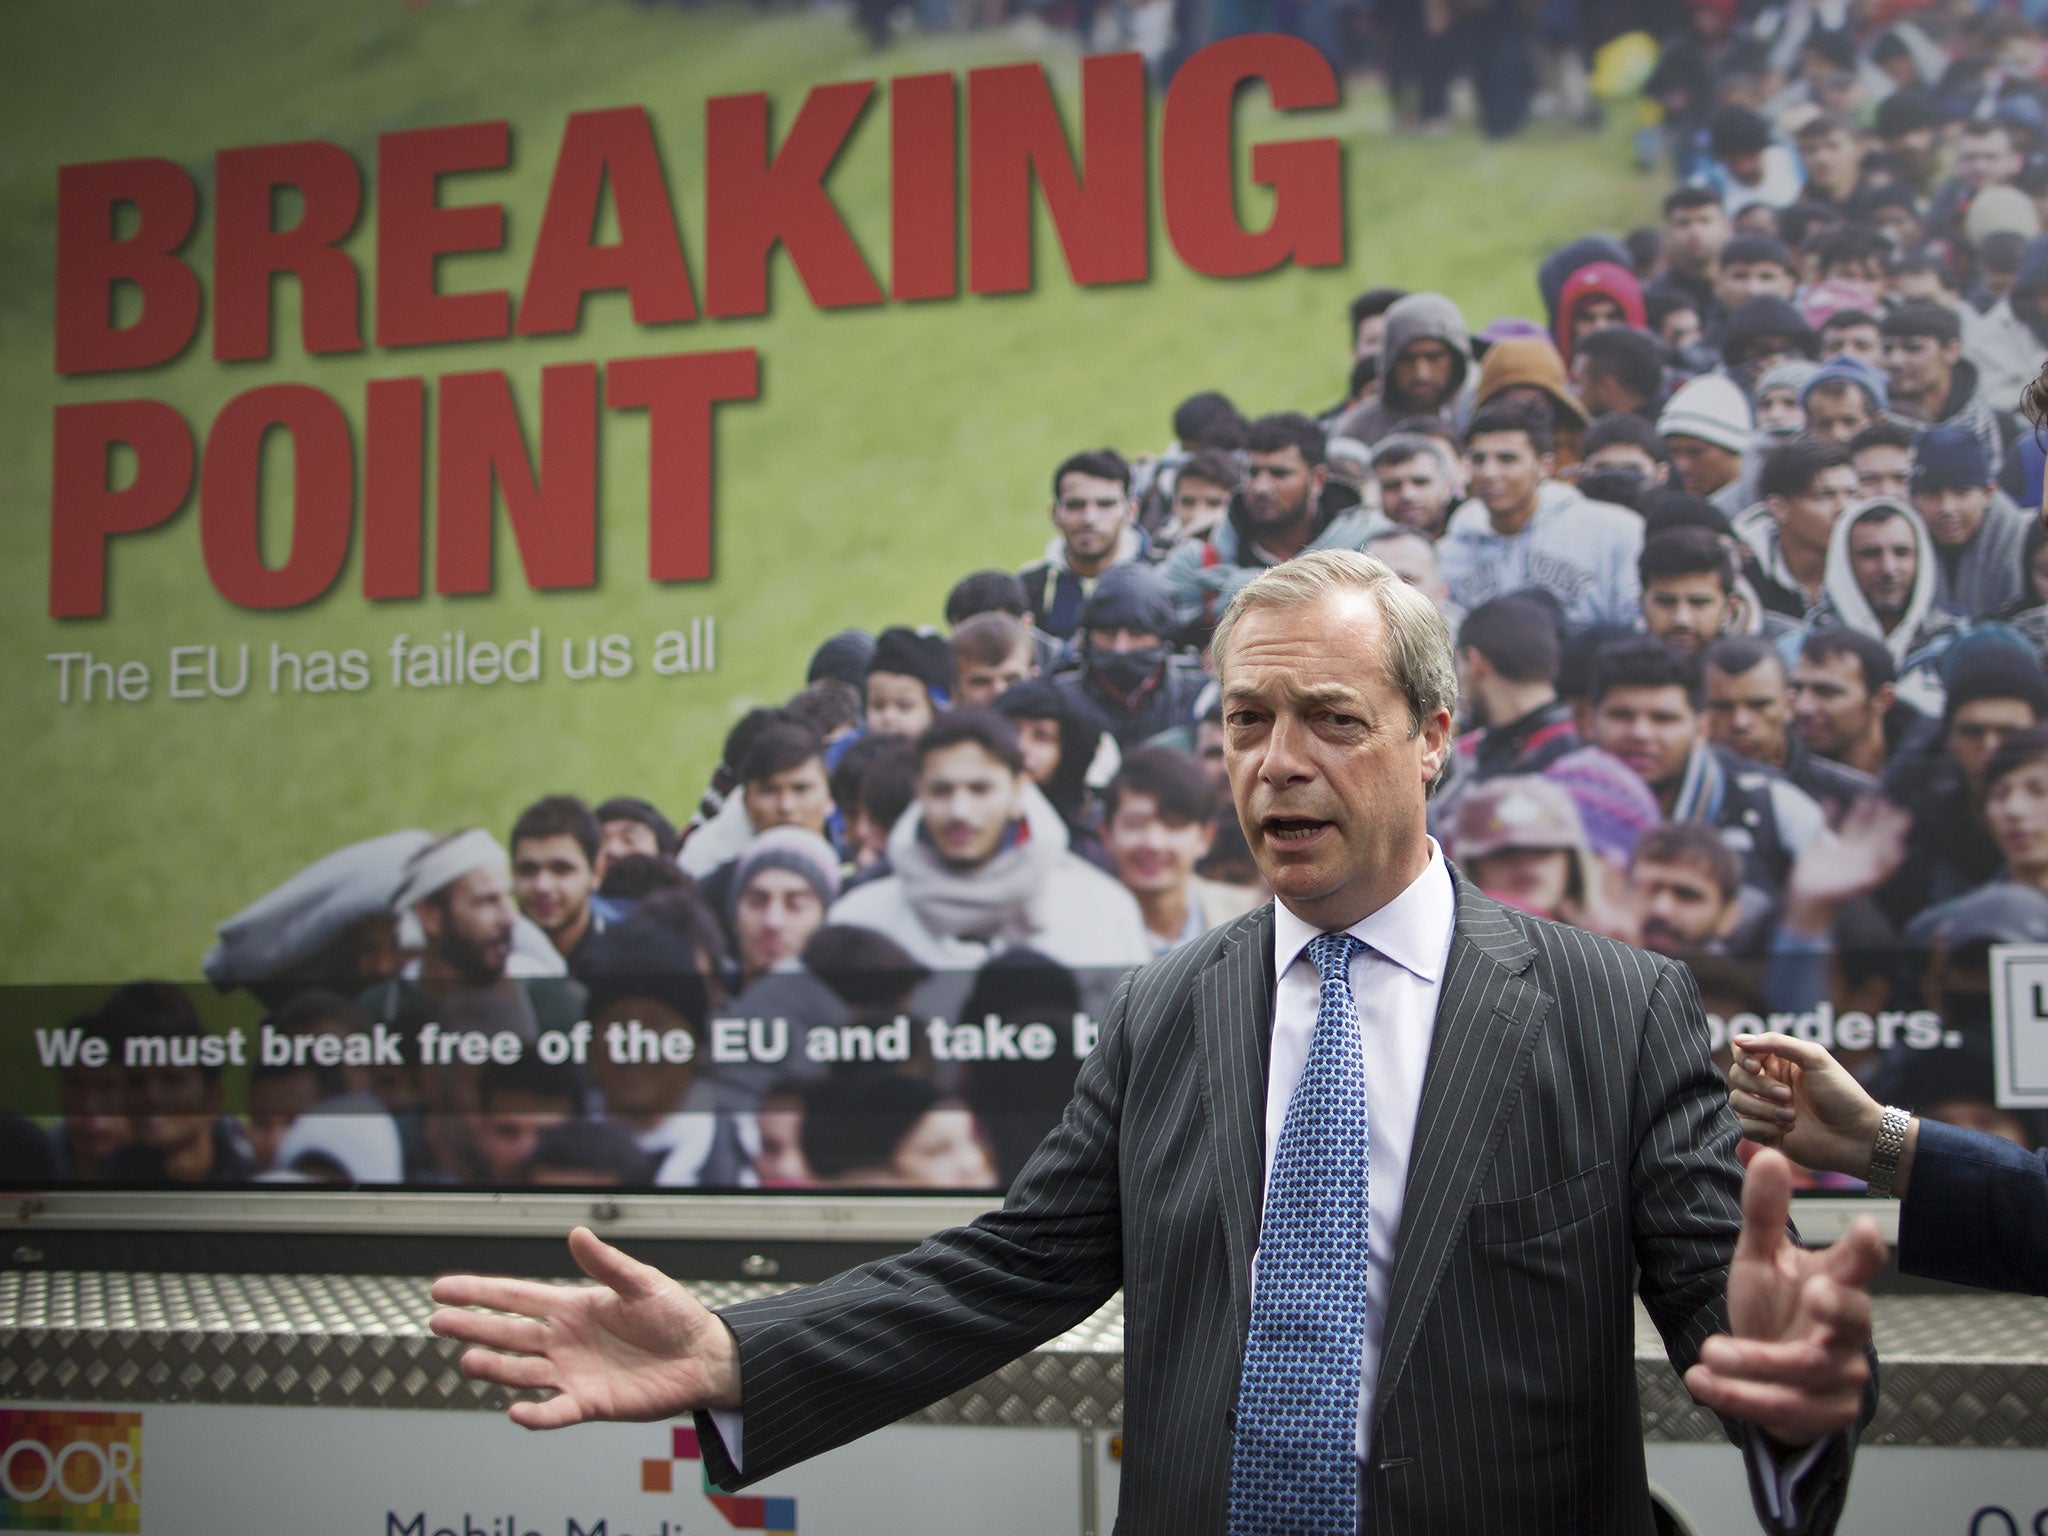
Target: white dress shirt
1396,979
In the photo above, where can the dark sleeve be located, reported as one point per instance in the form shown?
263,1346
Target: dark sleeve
826,1364
1976,1211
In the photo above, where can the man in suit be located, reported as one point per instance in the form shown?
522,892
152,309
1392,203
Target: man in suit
1535,1108
1973,1207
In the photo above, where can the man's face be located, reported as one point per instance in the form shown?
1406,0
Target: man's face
1685,612
1505,470
795,797
1039,741
1920,365
898,705
1595,312
1914,150
1987,159
1120,640
1885,562
1702,467
1954,513
1328,772
1882,470
1693,237
1832,158
96,1124
1371,331
983,682
1779,410
1860,339
942,1151
969,798
1415,492
2016,811
1424,374
1681,906
1978,728
469,924
1653,730
1747,712
275,1100
1808,519
1153,854
172,1109
1209,752
552,880
1198,504
1831,709
1412,558
1743,280
1680,328
1836,412
623,839
1091,514
1900,225
779,911
1279,487
1628,456
507,1132
641,1090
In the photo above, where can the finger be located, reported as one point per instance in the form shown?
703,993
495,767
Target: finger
525,1373
1792,1416
1837,1315
1824,1362
1801,1053
521,1335
610,1266
1766,1207
1857,1256
1752,1106
557,1412
1752,1074
1765,1133
529,1298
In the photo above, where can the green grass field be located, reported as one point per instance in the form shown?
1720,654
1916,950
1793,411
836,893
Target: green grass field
891,450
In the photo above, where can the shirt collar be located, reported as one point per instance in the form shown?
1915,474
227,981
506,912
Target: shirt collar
1413,930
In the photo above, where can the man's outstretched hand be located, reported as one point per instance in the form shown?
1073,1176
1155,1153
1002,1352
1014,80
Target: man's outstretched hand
634,1346
1793,1363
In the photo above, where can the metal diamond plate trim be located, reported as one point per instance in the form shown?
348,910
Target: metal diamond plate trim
1957,1369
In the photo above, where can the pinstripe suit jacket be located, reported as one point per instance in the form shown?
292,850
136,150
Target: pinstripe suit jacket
1574,1141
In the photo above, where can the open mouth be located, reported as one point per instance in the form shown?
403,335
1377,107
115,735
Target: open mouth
1287,830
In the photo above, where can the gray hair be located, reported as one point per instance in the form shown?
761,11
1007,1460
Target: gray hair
1418,643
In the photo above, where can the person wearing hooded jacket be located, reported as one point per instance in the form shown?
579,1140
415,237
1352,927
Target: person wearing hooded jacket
1601,293
1889,602
1128,674
1069,751
975,874
1425,369
1530,368
1288,506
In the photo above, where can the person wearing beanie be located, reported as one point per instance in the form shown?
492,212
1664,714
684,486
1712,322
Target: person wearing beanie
845,656
1129,675
1615,807
1708,427
1780,415
909,681
777,897
1841,397
1764,330
1933,384
1425,369
981,863
1995,689
1601,293
1978,534
628,825
1095,518
1530,368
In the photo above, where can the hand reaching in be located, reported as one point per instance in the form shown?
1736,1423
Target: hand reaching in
1793,1095
635,1346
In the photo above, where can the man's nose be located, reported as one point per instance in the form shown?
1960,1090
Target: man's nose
1284,757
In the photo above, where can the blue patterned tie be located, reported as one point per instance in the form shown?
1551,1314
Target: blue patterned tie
1294,1462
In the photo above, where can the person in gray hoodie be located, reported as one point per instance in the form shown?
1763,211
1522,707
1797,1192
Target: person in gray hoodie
1882,581
1425,369
1977,531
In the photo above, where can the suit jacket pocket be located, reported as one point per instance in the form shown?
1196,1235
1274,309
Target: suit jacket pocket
1497,1223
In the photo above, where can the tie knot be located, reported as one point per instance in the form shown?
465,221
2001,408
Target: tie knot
1330,954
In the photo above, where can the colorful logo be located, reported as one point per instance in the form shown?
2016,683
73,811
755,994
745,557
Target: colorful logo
743,1512
64,1470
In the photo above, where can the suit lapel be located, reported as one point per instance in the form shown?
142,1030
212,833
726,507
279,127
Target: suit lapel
1234,1011
1488,1016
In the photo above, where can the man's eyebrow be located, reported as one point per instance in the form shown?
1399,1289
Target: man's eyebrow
1309,693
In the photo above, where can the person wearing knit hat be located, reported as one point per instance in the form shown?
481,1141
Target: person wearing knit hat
780,889
1530,368
627,825
1978,534
1601,293
1615,806
845,656
1780,415
909,681
1764,330
1519,840
1128,673
1994,689
2000,210
1708,427
1841,397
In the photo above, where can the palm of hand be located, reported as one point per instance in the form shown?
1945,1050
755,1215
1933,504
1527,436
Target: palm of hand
631,1358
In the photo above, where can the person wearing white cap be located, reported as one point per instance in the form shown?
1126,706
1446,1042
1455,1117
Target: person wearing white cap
1708,427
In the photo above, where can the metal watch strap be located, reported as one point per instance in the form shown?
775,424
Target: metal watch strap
1884,1152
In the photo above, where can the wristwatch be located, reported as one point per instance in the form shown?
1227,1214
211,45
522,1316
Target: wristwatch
1884,1152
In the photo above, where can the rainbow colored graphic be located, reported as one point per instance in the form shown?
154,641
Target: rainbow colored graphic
743,1512
70,1470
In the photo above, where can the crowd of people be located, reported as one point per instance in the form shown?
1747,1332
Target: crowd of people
1737,547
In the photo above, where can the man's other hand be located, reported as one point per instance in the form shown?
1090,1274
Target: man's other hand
635,1346
1794,1362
